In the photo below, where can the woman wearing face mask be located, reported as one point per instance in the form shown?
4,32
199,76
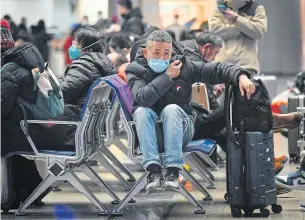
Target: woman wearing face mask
88,64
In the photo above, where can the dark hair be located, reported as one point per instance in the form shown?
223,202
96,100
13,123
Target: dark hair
125,3
23,35
7,17
41,25
120,41
209,37
88,36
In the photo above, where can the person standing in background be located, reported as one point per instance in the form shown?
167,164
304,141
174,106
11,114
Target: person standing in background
240,23
132,18
176,28
13,26
41,39
102,24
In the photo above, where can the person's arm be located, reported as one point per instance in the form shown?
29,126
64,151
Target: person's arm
255,27
73,83
147,94
9,89
216,73
222,28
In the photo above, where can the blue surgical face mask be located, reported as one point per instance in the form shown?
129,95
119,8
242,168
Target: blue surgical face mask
75,53
158,66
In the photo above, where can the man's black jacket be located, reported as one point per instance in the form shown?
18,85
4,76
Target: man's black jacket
156,91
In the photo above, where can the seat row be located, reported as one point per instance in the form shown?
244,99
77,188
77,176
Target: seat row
106,118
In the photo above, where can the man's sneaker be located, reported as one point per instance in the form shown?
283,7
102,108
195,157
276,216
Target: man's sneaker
294,180
282,159
302,207
153,182
171,179
289,121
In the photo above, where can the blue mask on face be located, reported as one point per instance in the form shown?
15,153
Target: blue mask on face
158,66
74,52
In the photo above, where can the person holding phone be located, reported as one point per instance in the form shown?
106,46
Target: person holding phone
161,85
240,23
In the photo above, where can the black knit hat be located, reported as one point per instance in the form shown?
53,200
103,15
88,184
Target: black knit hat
6,39
125,3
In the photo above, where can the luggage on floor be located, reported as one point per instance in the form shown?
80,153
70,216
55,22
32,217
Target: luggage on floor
271,84
250,167
8,197
19,178
296,135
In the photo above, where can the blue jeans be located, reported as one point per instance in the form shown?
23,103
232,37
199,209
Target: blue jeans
178,128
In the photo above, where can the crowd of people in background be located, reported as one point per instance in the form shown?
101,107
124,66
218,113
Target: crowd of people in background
106,48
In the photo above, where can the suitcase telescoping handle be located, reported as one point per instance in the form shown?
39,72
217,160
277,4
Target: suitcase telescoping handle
236,139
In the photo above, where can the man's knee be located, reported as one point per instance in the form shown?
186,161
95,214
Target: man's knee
143,113
171,110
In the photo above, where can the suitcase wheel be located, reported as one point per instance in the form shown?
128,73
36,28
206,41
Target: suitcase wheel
226,197
265,213
277,208
236,213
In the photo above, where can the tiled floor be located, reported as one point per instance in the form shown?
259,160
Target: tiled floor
161,206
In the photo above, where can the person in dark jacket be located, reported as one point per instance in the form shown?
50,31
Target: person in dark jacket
132,18
161,86
204,47
41,39
17,81
88,64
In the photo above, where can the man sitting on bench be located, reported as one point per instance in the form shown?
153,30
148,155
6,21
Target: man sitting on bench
161,86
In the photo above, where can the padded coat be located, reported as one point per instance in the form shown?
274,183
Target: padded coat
81,74
156,91
17,81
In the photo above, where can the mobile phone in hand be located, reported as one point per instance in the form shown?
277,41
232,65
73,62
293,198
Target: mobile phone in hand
182,58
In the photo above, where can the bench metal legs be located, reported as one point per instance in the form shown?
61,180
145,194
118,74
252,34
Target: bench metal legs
105,163
202,166
187,175
71,177
85,168
207,159
192,162
142,182
122,167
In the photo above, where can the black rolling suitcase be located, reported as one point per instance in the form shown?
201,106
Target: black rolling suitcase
8,196
250,160
296,135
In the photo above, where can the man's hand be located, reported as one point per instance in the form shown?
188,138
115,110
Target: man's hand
174,69
245,84
218,89
230,15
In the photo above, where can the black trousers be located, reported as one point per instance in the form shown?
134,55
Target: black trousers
212,127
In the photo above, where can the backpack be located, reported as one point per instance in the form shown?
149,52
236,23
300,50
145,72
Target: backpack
253,115
49,102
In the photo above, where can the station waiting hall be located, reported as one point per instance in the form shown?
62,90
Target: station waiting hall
155,109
